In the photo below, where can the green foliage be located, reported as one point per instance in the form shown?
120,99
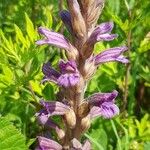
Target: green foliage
20,73
10,137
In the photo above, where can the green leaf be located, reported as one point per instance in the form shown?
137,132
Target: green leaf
98,138
95,142
49,18
30,28
19,34
10,137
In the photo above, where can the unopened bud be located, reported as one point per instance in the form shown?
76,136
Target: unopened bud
70,118
89,69
77,19
85,124
83,110
73,54
60,133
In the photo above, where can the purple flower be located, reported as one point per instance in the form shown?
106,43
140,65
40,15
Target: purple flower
69,74
112,54
53,38
50,73
102,104
102,33
67,77
48,144
58,40
50,109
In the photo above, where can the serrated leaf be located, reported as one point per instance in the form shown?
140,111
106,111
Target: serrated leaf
19,34
10,137
48,15
30,28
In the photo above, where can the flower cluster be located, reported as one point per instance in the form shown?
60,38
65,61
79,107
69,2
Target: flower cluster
75,110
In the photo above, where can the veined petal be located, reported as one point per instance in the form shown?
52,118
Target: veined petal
55,108
48,144
95,111
102,104
113,51
70,75
105,110
103,28
106,37
68,80
112,54
54,38
99,98
109,110
122,59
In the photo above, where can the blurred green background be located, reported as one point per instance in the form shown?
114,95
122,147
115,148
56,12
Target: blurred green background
20,73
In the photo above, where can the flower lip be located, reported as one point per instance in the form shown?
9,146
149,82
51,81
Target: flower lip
102,104
67,77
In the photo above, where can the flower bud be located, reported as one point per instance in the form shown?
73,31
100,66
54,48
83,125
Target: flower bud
83,110
70,118
85,123
77,19
89,68
60,133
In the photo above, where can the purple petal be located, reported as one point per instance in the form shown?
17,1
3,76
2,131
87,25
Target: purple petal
42,117
50,73
55,108
99,98
54,38
112,54
76,144
103,28
48,144
103,105
106,110
101,33
95,111
66,18
109,110
87,145
106,37
69,66
68,80
122,59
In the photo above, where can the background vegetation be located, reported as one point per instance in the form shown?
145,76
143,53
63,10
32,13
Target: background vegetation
20,73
